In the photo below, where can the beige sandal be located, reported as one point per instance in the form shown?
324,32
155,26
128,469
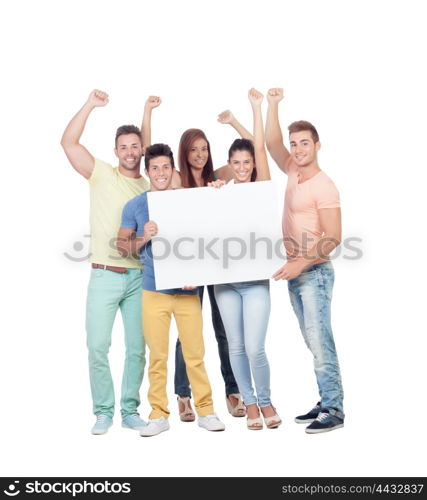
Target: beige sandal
236,411
254,424
187,415
272,422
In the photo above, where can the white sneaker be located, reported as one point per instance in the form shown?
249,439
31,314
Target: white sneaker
155,426
211,423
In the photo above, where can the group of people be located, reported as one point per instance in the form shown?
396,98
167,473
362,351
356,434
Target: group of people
122,274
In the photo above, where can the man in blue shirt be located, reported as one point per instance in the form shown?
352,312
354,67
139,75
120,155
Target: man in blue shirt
134,237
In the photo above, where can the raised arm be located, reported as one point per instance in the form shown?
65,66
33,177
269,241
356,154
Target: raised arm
227,117
77,154
151,103
263,171
176,179
273,132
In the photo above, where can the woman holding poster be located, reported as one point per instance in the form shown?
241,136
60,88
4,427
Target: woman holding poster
245,306
196,170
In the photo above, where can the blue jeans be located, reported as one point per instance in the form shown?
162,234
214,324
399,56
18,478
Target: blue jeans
182,384
311,295
245,310
107,292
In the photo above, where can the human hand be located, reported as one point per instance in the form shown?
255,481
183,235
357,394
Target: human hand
150,230
189,287
290,270
217,184
97,98
274,95
152,102
226,117
255,97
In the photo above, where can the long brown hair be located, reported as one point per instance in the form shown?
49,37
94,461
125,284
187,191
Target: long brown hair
187,177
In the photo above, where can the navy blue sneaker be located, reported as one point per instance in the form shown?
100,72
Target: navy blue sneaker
310,416
328,419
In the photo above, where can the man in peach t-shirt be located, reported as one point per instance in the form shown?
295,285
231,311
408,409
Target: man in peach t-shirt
311,231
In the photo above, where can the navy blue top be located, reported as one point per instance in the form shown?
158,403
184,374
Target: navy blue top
135,215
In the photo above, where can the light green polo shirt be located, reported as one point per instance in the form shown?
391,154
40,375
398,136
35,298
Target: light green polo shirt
109,192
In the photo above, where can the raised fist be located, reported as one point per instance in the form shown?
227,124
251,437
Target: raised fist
152,102
275,95
255,97
226,117
98,98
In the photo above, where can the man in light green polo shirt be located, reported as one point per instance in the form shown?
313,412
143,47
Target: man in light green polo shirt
115,281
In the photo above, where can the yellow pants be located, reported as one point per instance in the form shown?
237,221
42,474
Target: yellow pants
157,310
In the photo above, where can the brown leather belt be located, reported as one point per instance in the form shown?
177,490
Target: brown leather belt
120,270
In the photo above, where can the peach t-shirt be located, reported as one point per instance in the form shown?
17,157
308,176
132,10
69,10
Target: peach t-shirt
301,224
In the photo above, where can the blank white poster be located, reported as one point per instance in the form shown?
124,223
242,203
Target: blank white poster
210,236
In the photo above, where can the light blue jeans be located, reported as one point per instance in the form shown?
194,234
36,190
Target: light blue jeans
311,295
245,310
107,292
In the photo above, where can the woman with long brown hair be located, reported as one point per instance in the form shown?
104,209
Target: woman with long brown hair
196,170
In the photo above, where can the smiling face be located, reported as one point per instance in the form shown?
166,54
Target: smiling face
129,151
303,148
160,171
198,154
242,164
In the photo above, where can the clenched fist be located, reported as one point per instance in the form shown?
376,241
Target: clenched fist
98,98
275,95
226,117
255,97
152,102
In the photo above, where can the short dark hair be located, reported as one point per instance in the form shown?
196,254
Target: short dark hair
244,145
303,125
156,150
127,129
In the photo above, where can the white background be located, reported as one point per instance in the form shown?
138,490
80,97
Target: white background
356,70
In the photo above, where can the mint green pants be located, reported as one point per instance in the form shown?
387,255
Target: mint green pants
107,292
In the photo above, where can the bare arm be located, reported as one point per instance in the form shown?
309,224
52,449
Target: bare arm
273,132
128,244
77,154
227,117
224,173
330,223
263,171
176,180
151,103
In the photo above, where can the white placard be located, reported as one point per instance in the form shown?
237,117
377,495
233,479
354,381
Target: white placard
208,236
